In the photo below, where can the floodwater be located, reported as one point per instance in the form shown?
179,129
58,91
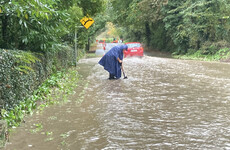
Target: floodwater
164,104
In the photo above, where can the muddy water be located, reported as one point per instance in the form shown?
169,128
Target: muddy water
164,104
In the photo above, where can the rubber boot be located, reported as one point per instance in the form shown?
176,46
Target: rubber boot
111,77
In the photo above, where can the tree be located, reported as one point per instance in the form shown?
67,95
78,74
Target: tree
41,25
175,25
191,23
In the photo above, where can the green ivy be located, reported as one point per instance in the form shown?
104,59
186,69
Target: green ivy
22,72
60,83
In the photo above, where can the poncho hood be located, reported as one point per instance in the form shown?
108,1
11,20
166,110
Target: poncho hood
124,47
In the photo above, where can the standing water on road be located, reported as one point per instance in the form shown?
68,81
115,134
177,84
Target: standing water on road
164,104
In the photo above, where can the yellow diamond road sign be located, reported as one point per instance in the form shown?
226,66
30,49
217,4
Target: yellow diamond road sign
87,22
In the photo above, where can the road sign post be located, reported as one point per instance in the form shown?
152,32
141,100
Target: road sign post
86,22
75,45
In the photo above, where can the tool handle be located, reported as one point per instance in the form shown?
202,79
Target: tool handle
123,70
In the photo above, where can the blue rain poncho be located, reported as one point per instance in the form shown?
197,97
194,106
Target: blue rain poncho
109,60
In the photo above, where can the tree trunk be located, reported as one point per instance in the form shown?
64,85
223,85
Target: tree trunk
4,31
147,33
88,45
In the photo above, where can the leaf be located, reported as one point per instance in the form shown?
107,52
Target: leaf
25,24
226,17
26,16
37,14
47,17
20,22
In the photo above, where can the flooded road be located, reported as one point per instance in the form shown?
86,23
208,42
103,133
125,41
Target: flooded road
164,104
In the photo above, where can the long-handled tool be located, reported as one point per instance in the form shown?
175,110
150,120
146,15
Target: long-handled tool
125,77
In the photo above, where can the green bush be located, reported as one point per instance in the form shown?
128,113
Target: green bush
22,72
53,90
220,55
211,48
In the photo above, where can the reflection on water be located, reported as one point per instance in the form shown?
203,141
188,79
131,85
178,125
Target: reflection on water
164,104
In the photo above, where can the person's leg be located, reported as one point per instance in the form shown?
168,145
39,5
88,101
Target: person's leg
111,76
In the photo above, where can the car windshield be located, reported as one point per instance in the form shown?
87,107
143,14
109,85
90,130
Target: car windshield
132,45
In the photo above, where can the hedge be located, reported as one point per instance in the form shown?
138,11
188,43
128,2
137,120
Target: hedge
22,72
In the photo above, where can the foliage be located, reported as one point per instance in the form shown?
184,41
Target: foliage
60,83
141,20
101,20
23,60
110,33
173,25
44,27
220,55
26,25
39,25
92,7
213,47
192,23
22,72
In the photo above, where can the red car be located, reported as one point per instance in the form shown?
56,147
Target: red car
134,49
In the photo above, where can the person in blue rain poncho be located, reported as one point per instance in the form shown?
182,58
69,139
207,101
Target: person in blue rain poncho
112,61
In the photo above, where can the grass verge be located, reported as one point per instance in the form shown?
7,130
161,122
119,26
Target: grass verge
221,55
53,90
